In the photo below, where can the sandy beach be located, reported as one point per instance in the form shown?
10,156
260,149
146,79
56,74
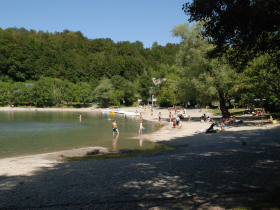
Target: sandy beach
204,171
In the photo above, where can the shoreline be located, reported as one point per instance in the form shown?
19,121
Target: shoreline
164,135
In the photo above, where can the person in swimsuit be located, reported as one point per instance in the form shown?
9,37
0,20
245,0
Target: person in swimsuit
140,128
115,128
159,117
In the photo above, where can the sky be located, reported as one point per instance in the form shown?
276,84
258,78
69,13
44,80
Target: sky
146,21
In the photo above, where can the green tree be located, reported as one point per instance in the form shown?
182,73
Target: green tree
120,83
144,86
104,91
261,79
203,77
4,92
18,93
66,91
117,97
243,23
43,91
85,92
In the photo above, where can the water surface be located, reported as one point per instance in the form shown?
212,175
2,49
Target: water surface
35,132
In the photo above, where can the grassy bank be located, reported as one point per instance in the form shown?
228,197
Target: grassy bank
238,112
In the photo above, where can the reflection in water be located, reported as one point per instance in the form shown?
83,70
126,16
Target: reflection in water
141,142
114,142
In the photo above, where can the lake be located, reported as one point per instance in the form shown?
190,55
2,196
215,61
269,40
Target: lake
35,132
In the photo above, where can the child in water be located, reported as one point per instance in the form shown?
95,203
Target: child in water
140,128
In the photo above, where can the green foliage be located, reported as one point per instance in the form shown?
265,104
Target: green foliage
18,93
43,91
238,23
261,79
144,86
201,77
126,87
4,92
166,97
28,55
104,91
117,97
85,92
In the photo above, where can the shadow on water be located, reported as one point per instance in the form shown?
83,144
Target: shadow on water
222,171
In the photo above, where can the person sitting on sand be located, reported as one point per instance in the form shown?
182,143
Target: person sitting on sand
269,120
203,117
229,120
234,120
181,116
262,111
209,130
207,119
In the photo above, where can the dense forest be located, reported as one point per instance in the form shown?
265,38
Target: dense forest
66,66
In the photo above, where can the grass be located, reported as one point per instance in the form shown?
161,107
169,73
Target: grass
239,111
134,153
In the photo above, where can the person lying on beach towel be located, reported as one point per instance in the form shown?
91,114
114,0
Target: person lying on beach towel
232,119
209,130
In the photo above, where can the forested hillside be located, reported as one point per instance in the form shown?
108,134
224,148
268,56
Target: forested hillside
67,67
27,55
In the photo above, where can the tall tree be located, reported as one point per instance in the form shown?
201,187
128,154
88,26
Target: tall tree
238,22
202,77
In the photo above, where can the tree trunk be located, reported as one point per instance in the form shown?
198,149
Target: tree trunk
224,110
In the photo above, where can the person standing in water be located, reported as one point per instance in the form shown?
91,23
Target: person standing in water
80,117
115,128
159,117
140,128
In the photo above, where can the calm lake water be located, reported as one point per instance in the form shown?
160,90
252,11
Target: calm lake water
35,132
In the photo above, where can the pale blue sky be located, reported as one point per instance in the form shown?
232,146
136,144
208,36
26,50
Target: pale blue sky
121,20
